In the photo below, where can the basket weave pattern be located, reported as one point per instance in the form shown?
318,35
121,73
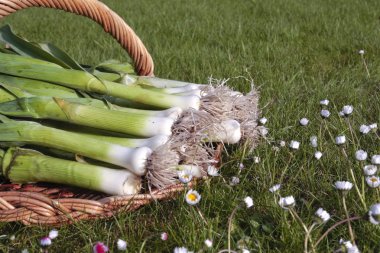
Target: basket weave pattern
55,205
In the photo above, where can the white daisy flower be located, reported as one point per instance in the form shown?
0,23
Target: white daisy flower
324,102
370,170
282,143
375,159
245,251
45,241
185,176
364,129
263,121
314,141
343,185
374,214
325,113
234,181
212,171
164,236
361,155
192,197
248,201
373,181
275,188
349,247
287,202
180,250
304,121
208,243
294,145
361,51
339,140
121,244
341,113
322,215
241,166
373,126
53,234
256,159
318,155
263,131
13,237
347,109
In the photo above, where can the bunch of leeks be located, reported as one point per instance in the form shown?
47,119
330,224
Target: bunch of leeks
121,128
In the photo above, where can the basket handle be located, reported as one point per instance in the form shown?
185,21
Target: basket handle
99,12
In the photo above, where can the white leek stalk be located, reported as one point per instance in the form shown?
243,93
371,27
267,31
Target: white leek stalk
133,159
25,165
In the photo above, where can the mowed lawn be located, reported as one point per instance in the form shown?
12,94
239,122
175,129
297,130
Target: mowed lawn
297,53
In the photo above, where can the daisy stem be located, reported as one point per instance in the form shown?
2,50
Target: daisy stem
307,238
354,180
229,228
348,218
378,193
365,66
353,135
336,225
296,217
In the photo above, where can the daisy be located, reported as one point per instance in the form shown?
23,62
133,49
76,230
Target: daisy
180,250
322,215
373,126
339,140
192,197
373,181
263,121
256,159
234,181
369,170
325,113
304,121
294,145
343,185
100,247
361,52
282,143
248,201
185,176
241,166
314,141
287,202
361,155
45,241
212,171
275,188
364,129
121,244
164,236
53,234
349,247
374,214
324,102
347,109
208,243
375,159
318,155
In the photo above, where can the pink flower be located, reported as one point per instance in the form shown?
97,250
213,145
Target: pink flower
100,247
164,236
45,241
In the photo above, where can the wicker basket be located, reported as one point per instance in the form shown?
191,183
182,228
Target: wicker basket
46,204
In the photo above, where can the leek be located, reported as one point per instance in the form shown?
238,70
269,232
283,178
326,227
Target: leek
28,132
64,110
24,166
35,69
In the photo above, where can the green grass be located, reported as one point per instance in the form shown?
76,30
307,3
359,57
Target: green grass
297,52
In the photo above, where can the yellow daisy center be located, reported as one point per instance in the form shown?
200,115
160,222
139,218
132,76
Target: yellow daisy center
192,197
373,179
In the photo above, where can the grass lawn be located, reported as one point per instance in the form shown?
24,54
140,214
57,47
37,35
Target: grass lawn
298,53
